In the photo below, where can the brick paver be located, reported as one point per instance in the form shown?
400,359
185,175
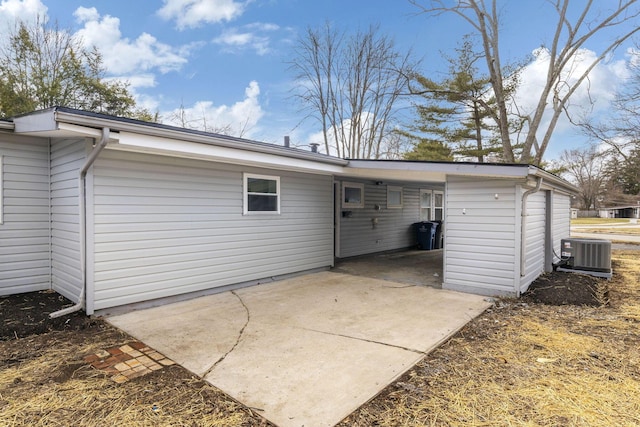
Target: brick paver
128,361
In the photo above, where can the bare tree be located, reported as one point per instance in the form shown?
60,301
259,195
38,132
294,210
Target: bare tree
619,127
562,80
586,168
350,85
188,119
42,65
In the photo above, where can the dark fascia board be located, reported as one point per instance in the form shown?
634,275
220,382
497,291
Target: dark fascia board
46,120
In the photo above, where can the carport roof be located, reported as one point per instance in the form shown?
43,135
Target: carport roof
438,171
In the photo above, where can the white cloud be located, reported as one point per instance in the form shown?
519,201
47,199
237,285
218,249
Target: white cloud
193,13
592,97
239,119
252,36
12,11
122,55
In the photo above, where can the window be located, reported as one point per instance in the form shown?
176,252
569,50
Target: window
261,194
394,197
438,205
352,195
425,205
431,205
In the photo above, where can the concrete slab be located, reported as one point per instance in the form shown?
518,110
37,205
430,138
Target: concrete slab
308,350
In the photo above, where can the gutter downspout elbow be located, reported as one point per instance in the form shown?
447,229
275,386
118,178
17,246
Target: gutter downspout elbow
104,139
523,223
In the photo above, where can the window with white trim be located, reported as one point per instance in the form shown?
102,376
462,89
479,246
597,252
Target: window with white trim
394,197
352,195
425,205
261,194
438,205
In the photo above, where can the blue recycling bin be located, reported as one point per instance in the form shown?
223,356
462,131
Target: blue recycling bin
438,241
425,234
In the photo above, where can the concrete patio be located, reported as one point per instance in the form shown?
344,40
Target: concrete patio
306,351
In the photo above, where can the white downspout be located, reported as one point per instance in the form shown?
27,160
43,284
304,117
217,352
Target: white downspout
523,223
104,139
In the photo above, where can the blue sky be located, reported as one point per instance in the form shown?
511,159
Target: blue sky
226,60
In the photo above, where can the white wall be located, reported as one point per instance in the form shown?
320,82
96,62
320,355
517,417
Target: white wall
561,227
534,235
24,232
67,158
166,226
482,243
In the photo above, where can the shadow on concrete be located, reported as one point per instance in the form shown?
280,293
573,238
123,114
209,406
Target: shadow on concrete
414,267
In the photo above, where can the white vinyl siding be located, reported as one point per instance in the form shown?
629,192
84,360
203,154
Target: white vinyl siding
561,221
393,228
24,234
481,248
534,238
67,158
166,226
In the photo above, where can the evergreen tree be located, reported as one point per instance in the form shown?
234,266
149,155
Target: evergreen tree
457,111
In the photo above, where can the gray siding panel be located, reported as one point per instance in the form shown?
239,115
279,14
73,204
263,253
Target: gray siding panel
67,158
167,226
534,238
394,229
480,248
561,221
24,235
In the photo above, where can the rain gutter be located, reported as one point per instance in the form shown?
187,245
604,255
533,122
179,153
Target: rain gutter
104,139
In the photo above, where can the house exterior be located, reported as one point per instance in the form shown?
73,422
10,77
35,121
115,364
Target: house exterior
110,212
632,211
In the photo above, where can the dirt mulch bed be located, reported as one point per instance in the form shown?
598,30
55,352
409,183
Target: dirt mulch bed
562,288
557,356
28,314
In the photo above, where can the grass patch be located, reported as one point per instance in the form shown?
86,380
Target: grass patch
598,221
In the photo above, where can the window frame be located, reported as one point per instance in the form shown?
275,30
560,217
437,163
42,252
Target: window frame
438,208
245,193
395,189
350,205
430,207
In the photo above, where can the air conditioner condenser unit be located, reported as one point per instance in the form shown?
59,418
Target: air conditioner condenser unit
589,256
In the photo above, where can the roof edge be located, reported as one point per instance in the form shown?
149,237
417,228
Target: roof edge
82,118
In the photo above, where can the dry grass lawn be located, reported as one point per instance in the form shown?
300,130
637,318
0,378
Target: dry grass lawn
528,365
518,364
626,230
598,221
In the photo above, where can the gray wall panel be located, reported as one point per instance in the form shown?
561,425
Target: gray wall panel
24,233
166,226
67,158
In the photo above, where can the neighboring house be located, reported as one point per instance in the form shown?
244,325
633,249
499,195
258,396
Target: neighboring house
110,211
632,211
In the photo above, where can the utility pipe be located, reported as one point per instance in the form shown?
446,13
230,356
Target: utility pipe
104,139
523,223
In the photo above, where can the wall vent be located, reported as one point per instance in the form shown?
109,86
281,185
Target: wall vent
590,256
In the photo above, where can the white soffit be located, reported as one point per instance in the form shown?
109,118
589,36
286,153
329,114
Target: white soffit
172,147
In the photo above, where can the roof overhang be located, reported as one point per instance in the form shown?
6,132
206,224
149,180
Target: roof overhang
139,143
135,136
142,137
440,171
